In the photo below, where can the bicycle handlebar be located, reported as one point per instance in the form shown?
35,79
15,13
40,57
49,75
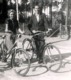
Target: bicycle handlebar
40,32
4,35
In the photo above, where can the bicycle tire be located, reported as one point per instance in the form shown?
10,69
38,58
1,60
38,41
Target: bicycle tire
28,47
52,57
22,62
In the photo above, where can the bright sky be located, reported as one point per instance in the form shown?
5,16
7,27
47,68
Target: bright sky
58,0
13,1
19,1
53,8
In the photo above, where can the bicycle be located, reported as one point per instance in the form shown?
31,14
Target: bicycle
17,58
51,53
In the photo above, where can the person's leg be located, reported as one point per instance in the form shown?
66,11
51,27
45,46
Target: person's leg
41,48
8,42
39,42
10,39
37,47
13,59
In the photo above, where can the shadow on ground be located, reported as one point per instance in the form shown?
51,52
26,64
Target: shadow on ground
66,67
66,63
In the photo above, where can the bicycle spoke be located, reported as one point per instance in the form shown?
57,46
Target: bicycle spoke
22,63
27,46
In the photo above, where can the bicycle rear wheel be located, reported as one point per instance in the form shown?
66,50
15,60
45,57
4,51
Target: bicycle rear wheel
28,47
52,56
22,62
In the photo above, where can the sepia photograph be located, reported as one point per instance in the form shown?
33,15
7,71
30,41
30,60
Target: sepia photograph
35,39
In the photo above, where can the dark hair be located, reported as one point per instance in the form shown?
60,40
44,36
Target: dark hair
40,9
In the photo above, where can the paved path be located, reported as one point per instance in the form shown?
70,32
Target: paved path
63,74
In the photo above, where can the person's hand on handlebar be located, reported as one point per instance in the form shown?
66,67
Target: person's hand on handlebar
19,35
34,31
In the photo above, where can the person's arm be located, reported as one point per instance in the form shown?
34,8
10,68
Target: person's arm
30,25
20,31
45,23
6,27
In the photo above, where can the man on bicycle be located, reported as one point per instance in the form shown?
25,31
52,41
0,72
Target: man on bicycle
38,23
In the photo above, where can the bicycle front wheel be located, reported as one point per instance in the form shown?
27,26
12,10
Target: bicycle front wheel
22,62
52,56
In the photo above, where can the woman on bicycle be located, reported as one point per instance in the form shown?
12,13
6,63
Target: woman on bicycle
11,25
38,23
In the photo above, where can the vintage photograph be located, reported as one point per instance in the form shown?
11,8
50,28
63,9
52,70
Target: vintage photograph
35,39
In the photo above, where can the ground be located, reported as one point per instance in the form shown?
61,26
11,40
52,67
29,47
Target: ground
63,74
